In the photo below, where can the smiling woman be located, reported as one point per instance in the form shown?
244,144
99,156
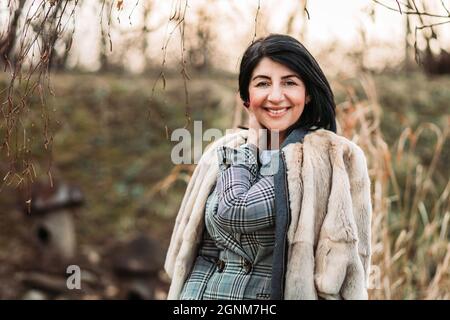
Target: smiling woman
277,96
291,222
277,72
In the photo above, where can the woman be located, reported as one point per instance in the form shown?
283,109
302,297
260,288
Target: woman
260,223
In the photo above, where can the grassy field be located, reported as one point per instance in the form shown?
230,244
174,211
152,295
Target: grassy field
111,139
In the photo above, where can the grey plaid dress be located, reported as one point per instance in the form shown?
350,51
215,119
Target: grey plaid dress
234,260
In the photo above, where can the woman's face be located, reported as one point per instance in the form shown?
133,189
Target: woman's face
277,95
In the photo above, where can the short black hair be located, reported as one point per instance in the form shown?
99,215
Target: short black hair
288,51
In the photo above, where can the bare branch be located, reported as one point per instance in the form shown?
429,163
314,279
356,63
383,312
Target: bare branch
178,15
256,19
417,58
445,8
44,25
416,12
399,7
306,10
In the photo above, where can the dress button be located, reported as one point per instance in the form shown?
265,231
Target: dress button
247,266
220,265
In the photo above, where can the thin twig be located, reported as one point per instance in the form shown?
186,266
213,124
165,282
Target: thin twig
417,12
256,20
306,10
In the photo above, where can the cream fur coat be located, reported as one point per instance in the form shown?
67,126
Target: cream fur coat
330,204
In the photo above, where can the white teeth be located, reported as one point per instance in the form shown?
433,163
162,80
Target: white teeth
277,111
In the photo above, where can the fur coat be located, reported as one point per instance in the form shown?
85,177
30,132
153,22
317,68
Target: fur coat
330,215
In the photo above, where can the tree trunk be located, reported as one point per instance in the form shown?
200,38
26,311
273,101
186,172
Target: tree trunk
7,44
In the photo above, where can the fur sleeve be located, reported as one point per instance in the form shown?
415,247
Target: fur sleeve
362,205
343,249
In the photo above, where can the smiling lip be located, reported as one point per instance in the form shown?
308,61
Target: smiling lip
276,112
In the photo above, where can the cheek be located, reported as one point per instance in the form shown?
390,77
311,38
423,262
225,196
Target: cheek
256,99
299,102
297,113
298,98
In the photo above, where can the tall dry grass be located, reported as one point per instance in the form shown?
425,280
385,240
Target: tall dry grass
411,205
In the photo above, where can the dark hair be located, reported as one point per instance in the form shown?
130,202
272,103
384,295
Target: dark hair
284,49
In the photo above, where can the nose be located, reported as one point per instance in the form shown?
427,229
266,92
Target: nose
276,94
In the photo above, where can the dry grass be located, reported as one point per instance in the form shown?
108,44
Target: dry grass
411,205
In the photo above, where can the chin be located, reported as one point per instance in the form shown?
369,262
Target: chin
279,127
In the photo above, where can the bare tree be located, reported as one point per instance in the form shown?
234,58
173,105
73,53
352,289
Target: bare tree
8,40
200,46
38,38
27,52
137,36
427,20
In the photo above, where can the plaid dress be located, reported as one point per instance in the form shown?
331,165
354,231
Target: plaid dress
234,260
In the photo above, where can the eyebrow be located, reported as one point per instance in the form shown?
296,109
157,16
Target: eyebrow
267,77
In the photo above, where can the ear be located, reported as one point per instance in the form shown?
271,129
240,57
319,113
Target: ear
308,99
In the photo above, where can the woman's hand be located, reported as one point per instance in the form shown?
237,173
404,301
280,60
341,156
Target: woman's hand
257,134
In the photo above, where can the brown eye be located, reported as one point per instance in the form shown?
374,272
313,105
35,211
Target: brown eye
262,84
291,83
